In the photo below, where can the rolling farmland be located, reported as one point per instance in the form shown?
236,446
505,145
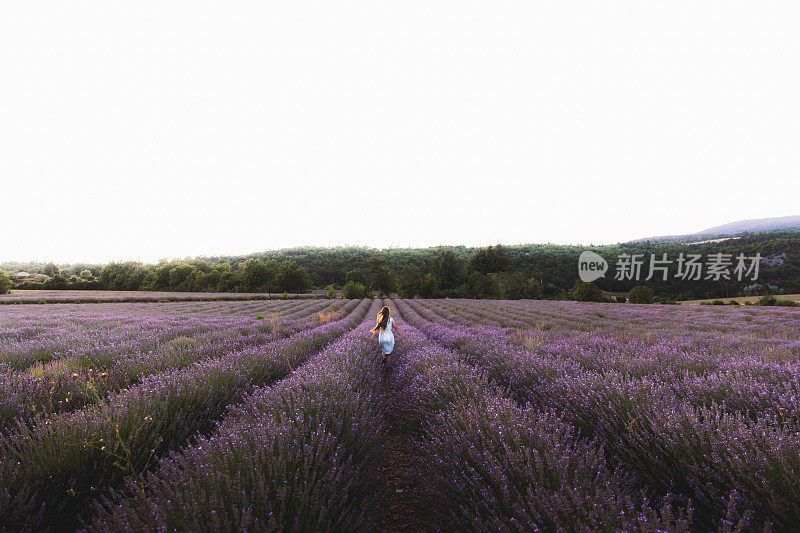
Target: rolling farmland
493,415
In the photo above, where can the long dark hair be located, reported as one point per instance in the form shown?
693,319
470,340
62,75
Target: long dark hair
383,319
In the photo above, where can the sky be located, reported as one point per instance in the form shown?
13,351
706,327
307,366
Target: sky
151,129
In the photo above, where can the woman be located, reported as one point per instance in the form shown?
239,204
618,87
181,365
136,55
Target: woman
385,334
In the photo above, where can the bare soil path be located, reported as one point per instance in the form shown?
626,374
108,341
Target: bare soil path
401,502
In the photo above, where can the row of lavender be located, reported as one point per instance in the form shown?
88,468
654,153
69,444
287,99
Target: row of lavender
52,467
694,420
578,317
82,359
496,466
28,337
191,309
55,295
300,455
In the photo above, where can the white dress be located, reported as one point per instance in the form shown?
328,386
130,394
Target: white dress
386,338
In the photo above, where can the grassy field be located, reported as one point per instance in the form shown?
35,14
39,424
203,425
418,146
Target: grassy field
507,415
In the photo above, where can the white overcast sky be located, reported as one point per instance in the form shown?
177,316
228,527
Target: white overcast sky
149,129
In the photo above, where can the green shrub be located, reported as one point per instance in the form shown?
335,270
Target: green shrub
767,299
331,294
5,283
641,295
354,290
587,292
533,289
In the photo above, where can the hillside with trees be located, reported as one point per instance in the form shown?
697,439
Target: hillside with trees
520,271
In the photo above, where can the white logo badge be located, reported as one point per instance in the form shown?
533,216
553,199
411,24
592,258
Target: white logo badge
591,266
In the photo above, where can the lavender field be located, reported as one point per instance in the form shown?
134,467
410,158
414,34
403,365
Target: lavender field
18,295
105,296
492,416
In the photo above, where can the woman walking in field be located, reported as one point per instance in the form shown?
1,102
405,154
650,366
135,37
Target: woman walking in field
384,329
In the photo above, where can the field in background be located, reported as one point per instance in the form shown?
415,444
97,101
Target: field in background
743,299
43,296
280,414
118,295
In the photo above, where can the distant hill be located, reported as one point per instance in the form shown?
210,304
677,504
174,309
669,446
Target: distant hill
757,224
732,228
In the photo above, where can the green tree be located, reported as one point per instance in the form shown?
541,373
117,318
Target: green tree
489,260
494,287
358,275
381,277
533,289
293,278
181,277
207,281
257,275
160,276
354,290
409,281
51,269
587,292
228,278
484,286
641,294
475,285
448,269
376,264
551,290
87,275
513,285
387,282
331,294
5,283
138,277
429,286
120,276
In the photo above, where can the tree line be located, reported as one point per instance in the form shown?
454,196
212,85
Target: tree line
524,271
251,275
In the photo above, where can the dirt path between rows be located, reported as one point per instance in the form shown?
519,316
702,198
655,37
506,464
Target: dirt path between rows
401,506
